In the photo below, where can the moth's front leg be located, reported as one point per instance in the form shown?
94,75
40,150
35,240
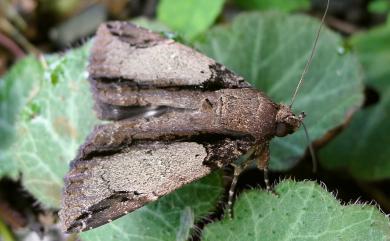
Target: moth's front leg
262,156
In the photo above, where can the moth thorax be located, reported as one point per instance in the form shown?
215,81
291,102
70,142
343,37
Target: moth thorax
286,121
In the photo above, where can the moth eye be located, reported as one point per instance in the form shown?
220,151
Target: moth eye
281,129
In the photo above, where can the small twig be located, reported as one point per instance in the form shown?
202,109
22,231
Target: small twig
10,45
342,26
10,12
13,33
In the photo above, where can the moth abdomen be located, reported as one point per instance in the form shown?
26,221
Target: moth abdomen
248,111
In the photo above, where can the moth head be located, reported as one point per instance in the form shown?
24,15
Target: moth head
286,121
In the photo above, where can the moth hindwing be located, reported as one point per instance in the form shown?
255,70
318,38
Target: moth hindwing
176,115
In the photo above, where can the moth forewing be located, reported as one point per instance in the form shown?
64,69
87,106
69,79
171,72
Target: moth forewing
106,187
147,59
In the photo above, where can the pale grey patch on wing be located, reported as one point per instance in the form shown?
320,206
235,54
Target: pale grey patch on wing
163,63
141,173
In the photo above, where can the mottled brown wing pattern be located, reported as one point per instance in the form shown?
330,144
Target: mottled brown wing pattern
203,116
106,187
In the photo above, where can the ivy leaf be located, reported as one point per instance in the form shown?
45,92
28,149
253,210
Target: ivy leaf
190,17
172,217
362,148
299,211
269,50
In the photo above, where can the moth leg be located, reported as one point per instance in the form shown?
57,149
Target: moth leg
236,174
262,157
239,166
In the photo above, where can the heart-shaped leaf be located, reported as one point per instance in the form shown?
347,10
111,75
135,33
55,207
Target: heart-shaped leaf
299,211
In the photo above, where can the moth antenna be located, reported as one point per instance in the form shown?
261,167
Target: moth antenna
311,149
308,63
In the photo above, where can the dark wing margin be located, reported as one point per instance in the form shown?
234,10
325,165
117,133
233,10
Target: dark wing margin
104,187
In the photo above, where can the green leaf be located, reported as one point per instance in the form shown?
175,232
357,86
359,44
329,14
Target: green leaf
363,147
189,17
16,89
170,218
379,6
300,211
281,5
53,123
270,50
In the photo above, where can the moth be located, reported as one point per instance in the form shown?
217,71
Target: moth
175,116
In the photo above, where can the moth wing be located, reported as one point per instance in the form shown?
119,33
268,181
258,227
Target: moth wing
106,187
140,57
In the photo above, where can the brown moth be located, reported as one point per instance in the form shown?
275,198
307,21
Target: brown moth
176,115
